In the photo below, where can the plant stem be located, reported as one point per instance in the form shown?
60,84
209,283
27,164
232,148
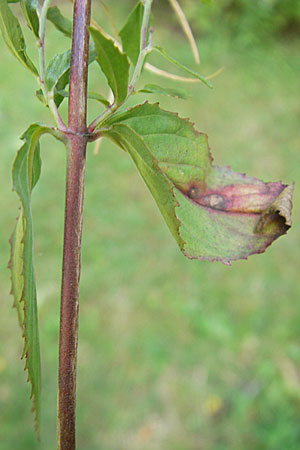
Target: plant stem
42,15
76,151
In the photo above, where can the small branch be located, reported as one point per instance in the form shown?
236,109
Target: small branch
42,15
144,46
76,151
172,76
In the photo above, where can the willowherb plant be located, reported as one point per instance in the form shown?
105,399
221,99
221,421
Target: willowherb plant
212,212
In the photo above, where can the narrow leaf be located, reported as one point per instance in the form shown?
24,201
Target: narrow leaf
113,63
155,89
29,8
26,172
130,34
13,36
162,52
63,24
213,213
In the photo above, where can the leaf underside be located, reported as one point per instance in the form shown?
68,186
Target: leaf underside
26,172
213,213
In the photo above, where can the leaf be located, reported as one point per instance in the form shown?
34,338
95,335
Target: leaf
113,63
57,74
59,21
130,34
155,89
162,52
57,68
29,8
213,213
26,172
13,36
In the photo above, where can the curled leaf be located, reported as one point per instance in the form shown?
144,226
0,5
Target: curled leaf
213,213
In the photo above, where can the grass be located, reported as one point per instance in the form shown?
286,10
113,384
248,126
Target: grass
173,354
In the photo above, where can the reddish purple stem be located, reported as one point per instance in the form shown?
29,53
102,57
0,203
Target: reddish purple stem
76,153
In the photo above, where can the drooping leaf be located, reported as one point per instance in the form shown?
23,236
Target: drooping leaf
26,172
162,52
59,21
155,89
213,213
113,63
13,36
29,8
130,34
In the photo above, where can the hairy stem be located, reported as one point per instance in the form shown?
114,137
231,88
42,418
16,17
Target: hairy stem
76,151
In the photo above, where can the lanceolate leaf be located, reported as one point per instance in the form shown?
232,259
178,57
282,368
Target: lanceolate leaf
113,63
29,8
131,32
13,36
213,213
162,52
59,21
26,172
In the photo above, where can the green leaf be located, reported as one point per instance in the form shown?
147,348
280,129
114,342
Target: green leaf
57,68
181,66
130,34
213,213
13,36
29,8
26,172
113,63
59,21
155,89
57,74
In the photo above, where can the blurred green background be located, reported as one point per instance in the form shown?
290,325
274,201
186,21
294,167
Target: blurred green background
173,354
